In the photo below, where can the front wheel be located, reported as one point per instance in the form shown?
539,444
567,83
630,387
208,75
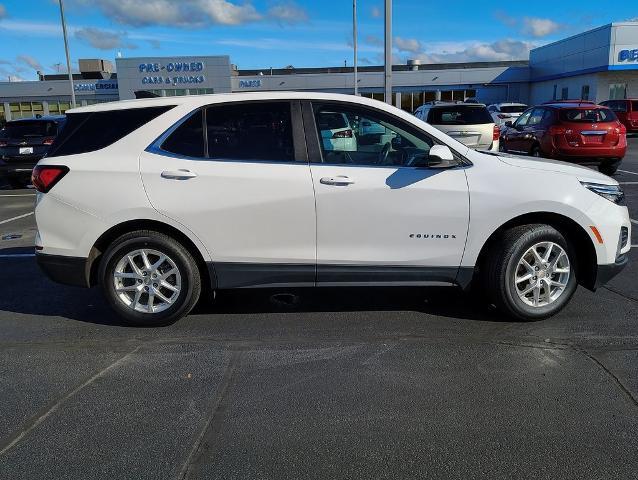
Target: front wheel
149,278
531,272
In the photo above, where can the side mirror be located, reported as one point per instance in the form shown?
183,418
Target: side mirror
441,156
508,123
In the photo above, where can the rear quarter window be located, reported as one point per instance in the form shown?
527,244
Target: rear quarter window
459,115
92,131
587,115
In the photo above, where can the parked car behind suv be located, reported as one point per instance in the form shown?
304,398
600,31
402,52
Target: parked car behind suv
184,194
626,111
578,132
469,123
23,143
503,112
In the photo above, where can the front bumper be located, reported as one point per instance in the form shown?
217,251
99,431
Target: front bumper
605,273
72,271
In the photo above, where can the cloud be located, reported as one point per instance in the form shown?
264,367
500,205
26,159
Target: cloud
103,39
539,27
410,45
475,51
505,19
375,12
289,13
29,61
3,11
193,13
374,40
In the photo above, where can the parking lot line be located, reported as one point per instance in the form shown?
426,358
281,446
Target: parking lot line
17,255
628,183
15,218
627,171
20,195
634,221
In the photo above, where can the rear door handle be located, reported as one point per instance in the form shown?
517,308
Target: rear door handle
337,180
181,174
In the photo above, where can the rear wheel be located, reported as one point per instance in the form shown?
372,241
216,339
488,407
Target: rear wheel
609,168
536,151
149,278
531,272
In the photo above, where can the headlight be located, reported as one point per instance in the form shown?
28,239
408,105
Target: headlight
613,193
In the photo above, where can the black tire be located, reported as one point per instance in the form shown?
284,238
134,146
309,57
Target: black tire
501,265
185,263
536,151
609,168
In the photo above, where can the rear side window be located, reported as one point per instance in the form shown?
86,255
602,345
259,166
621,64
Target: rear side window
88,132
250,131
587,115
188,138
459,115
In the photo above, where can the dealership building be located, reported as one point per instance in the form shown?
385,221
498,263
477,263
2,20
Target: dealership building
598,65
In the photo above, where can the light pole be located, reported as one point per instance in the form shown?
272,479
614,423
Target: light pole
388,52
354,41
68,57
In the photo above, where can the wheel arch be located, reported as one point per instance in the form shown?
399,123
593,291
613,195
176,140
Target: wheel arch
579,238
101,244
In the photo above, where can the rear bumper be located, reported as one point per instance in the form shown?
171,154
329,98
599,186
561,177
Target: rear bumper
606,272
66,270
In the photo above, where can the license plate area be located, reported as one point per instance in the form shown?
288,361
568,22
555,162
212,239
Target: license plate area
593,137
25,150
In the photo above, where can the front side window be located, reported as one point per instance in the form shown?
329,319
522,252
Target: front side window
523,119
251,131
536,117
364,137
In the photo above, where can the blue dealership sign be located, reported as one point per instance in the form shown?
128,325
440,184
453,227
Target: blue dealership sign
249,83
628,55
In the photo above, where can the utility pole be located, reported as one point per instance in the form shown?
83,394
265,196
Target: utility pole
68,57
388,52
354,43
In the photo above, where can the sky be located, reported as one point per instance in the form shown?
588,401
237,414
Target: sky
277,33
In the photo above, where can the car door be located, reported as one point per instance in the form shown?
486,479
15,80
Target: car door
514,135
381,217
532,130
237,176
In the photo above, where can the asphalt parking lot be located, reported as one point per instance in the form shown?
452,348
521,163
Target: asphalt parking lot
350,383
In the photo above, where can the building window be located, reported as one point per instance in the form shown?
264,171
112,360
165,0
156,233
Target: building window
406,101
554,97
617,91
584,92
2,116
564,93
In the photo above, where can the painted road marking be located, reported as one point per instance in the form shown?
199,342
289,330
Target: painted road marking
627,171
17,255
20,195
628,183
16,218
634,221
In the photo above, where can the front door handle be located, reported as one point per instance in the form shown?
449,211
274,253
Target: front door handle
181,174
337,180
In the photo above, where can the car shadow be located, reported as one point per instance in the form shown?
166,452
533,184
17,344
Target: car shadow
25,290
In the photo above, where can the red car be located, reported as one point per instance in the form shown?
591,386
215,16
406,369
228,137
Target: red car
578,132
626,111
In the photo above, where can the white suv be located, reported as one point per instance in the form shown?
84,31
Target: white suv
469,123
159,199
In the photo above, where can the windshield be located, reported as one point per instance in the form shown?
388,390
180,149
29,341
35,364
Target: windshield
459,115
513,108
29,129
587,115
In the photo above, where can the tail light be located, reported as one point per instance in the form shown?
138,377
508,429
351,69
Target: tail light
48,141
497,133
343,134
44,177
3,144
622,129
503,115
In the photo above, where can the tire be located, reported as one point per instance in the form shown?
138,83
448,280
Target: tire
536,151
133,307
503,267
609,168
